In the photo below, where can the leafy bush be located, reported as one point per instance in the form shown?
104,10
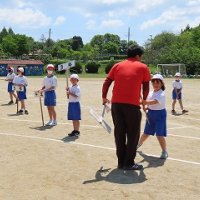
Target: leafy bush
109,66
92,67
78,69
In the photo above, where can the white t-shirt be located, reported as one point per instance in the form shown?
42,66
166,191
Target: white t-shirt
49,82
20,80
160,97
10,76
75,89
177,84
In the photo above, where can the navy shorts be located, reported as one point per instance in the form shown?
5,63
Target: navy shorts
157,123
50,98
10,87
74,111
175,96
22,95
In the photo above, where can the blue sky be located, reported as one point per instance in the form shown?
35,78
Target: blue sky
87,18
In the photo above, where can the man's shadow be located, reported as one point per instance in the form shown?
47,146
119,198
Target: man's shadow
67,139
118,176
153,162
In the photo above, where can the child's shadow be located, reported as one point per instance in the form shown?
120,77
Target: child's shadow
152,161
14,115
42,128
69,139
118,176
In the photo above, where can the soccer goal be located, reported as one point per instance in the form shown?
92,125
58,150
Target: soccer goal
169,70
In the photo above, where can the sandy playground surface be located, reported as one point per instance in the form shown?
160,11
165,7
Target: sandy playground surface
35,164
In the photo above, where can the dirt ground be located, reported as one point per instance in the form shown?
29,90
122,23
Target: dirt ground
35,164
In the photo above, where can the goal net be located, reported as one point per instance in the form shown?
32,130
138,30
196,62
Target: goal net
170,69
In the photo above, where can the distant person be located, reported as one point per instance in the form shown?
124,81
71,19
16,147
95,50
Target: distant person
128,77
177,93
74,108
10,77
21,83
157,115
48,87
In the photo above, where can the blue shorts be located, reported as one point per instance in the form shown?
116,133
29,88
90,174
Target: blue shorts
22,95
10,87
74,111
50,98
175,96
157,123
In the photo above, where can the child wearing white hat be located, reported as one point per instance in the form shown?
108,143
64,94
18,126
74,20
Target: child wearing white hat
10,77
157,115
74,108
177,93
48,87
20,82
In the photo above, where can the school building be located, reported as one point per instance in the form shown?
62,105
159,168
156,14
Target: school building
31,67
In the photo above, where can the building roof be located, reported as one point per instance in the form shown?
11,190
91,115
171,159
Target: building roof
22,62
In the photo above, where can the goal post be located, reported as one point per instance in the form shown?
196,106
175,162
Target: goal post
170,69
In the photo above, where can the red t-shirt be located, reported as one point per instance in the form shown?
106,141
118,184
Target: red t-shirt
128,77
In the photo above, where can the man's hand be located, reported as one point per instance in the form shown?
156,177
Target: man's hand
105,100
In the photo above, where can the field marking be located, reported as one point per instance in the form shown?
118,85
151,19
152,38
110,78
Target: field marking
61,123
91,145
94,126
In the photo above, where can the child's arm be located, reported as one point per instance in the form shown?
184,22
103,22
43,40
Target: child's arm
150,102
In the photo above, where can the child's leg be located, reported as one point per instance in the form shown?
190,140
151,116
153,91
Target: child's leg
76,125
162,143
11,96
173,104
53,112
143,138
14,95
50,112
181,104
22,105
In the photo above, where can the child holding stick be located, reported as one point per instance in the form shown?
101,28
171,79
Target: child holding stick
48,87
20,82
74,108
157,115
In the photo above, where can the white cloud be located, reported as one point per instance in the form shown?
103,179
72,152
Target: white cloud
109,2
175,18
193,2
24,17
112,23
91,24
59,20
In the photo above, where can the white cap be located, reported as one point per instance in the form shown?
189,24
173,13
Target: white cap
178,74
21,69
12,69
158,76
50,66
75,76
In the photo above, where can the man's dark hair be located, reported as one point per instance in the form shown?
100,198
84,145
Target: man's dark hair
134,50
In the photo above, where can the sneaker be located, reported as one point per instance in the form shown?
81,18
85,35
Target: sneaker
134,167
164,155
184,111
77,133
49,123
10,102
173,112
53,123
26,112
72,134
21,112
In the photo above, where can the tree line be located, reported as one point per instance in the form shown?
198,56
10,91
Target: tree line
165,47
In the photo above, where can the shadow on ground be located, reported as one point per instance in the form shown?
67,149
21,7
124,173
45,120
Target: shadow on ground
118,176
153,162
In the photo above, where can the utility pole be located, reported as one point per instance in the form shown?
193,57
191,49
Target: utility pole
129,34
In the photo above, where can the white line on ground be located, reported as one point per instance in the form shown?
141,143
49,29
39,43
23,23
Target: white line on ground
93,126
32,121
90,145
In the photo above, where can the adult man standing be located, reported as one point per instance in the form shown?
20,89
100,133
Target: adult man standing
128,76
